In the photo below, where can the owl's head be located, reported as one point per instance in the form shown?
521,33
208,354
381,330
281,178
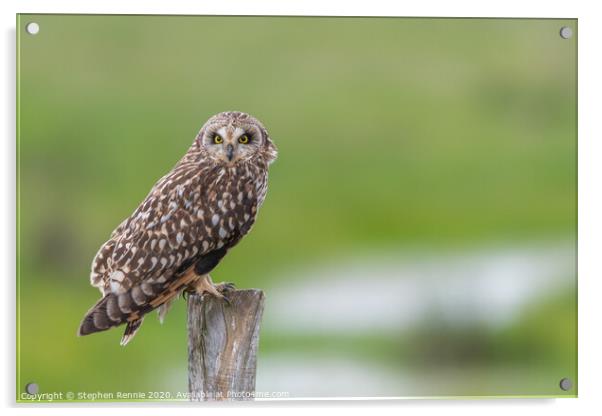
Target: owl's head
232,137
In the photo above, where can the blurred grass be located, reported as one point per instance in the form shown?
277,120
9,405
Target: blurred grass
391,132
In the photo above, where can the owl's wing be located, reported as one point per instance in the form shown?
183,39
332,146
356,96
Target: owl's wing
141,269
163,234
103,259
145,264
191,217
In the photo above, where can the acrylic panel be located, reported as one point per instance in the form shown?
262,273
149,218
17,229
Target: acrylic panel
418,237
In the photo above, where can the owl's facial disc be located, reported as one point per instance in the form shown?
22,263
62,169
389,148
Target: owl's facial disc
230,144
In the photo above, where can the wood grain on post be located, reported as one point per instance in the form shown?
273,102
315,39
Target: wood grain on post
222,345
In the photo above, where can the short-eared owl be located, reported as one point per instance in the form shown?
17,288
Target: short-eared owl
184,227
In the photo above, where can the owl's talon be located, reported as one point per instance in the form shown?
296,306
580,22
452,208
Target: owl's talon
225,287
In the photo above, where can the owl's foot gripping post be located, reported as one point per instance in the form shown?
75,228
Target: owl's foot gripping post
204,284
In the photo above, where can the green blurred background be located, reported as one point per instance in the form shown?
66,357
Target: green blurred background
419,234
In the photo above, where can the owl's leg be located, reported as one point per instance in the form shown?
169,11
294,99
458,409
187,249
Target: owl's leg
204,284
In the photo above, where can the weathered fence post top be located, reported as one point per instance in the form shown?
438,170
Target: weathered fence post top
222,345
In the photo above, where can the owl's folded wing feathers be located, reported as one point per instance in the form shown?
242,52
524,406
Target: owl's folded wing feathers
143,264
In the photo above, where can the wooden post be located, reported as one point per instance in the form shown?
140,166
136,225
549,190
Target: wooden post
222,345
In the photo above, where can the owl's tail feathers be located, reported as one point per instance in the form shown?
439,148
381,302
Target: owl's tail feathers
102,316
130,306
130,330
109,312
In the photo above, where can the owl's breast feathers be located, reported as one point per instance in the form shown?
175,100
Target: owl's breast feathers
193,211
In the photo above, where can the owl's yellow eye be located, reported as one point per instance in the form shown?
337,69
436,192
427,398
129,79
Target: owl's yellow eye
244,139
217,139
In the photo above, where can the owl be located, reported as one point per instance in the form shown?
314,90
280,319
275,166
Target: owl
184,227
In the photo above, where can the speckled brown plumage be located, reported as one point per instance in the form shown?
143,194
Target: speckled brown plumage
191,217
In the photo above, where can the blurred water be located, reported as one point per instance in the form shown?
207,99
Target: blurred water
393,293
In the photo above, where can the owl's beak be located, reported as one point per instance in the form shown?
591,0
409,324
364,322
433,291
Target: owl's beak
230,152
